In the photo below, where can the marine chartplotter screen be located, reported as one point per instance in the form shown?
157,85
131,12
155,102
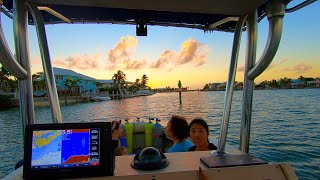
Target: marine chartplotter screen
65,148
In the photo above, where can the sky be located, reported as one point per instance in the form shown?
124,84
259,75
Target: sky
170,54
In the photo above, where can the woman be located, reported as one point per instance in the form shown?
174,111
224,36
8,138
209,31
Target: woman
199,133
116,133
178,131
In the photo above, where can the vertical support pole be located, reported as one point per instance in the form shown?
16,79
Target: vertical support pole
46,62
248,85
180,90
230,86
20,28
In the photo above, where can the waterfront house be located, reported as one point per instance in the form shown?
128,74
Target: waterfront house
110,83
297,83
317,82
85,84
162,89
314,83
217,86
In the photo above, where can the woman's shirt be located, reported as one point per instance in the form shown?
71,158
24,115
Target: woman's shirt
211,147
182,146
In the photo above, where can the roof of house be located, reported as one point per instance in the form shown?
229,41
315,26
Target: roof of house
111,81
67,72
107,81
296,81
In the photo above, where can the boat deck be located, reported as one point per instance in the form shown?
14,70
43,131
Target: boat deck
185,165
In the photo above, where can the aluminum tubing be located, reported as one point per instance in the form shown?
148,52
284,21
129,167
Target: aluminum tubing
46,62
248,84
8,60
230,85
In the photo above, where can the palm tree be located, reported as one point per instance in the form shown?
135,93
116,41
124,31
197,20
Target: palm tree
303,80
206,87
137,82
7,81
119,78
69,83
98,84
144,80
285,82
37,81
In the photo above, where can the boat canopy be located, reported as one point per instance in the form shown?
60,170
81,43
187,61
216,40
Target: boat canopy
220,15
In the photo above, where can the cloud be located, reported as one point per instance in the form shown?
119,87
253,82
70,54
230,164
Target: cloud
134,65
121,56
271,66
191,52
240,68
164,58
299,68
83,62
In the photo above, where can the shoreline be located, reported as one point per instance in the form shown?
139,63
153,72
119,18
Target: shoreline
44,101
267,89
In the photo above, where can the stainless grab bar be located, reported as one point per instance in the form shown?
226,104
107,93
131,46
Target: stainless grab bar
8,60
46,62
20,31
299,6
230,86
5,12
251,51
275,13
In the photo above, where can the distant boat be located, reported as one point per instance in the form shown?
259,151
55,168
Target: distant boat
101,98
39,94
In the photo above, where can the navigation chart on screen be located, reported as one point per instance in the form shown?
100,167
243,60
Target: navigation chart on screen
60,147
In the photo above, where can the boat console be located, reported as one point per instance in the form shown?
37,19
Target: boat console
185,165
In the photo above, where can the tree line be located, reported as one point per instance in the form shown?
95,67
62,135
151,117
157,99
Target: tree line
284,83
120,85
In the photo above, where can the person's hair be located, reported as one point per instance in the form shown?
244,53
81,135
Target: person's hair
115,125
179,127
201,122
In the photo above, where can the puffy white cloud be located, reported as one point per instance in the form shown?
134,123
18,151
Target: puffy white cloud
121,56
271,66
299,68
83,62
191,52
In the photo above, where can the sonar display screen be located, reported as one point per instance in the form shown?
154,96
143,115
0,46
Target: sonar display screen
65,148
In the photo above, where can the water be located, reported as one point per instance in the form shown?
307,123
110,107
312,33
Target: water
285,123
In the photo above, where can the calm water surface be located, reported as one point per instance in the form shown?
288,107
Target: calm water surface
285,123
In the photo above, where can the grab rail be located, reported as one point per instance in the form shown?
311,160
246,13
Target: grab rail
20,31
5,12
299,6
46,62
275,13
230,86
251,51
55,13
8,60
